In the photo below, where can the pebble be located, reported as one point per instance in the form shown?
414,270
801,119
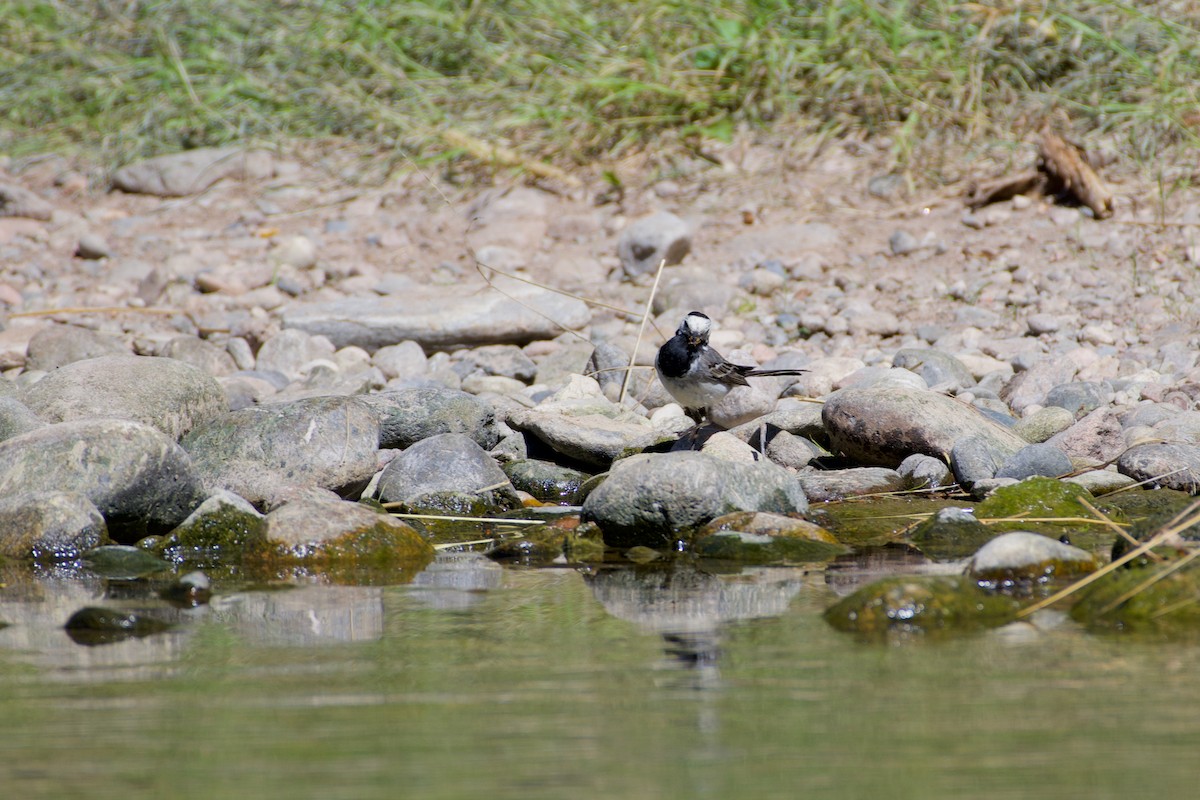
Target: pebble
651,240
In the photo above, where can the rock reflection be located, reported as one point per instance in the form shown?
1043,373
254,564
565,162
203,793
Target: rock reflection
456,581
688,606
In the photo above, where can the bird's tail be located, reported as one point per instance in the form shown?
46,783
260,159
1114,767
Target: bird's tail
772,373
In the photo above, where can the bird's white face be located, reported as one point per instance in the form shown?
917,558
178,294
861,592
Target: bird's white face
696,327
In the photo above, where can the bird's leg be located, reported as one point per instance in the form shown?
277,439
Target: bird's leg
696,415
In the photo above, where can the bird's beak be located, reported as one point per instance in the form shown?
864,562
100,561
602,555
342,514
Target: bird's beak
695,341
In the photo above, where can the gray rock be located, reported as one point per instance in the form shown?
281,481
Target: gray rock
1148,413
134,475
406,416
17,201
60,345
821,486
93,246
293,352
1043,423
304,527
788,450
1097,438
447,472
609,365
951,533
650,240
203,355
326,442
1039,324
691,288
404,360
1163,466
901,243
1101,481
925,472
162,392
1031,386
1035,459
505,360
1025,555
595,437
656,499
1079,397
443,317
16,418
49,526
882,425
975,458
935,367
547,482
1181,427
193,171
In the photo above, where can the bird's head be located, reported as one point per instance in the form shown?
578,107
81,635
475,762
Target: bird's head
695,328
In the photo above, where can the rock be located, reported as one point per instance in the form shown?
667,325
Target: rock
1043,424
582,425
447,473
294,353
547,482
443,317
951,533
135,476
166,394
192,171
1039,324
338,533
645,243
924,472
1097,437
404,360
901,243
1037,497
795,452
17,201
821,486
1025,556
926,604
49,526
1169,466
935,368
724,446
203,355
123,562
297,252
92,246
883,425
505,360
326,442
407,416
1101,481
224,529
1156,597
1031,386
761,548
976,458
95,625
1035,459
656,499
1079,397
60,345
16,418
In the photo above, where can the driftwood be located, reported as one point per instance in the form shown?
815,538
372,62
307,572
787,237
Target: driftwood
1062,172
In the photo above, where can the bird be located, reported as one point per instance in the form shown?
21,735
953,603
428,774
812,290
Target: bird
695,374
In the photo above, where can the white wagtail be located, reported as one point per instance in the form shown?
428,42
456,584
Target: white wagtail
696,375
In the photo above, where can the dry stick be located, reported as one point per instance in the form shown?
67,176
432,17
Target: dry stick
641,331
49,312
1153,579
1107,520
1180,522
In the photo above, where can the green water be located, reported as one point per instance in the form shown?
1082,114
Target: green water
482,681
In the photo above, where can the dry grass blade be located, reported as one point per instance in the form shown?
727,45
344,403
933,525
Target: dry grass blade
451,518
641,330
1153,579
1179,523
1114,526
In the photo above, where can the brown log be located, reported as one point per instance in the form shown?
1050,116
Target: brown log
996,191
1069,174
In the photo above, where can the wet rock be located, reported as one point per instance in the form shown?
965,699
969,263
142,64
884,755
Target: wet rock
650,240
224,529
49,526
762,538
59,345
935,367
407,416
318,532
1151,597
547,482
925,472
188,591
93,246
442,317
123,562
326,442
447,473
822,486
17,201
1034,497
1035,459
192,171
1023,556
654,500
552,543
94,625
920,604
161,392
883,425
135,475
1169,466
1044,423
951,533
203,355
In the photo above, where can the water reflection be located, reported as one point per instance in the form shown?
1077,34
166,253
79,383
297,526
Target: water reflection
456,581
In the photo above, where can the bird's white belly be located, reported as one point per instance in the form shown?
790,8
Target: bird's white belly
699,394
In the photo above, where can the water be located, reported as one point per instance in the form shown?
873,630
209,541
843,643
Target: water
482,681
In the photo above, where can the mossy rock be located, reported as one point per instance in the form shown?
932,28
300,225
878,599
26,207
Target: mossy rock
122,562
762,548
227,534
544,544
460,504
950,534
921,604
547,482
382,544
1032,497
1146,513
94,625
875,522
1139,599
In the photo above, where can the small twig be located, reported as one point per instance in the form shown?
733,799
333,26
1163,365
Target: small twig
49,312
641,330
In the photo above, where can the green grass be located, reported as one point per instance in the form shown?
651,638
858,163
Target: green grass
574,82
